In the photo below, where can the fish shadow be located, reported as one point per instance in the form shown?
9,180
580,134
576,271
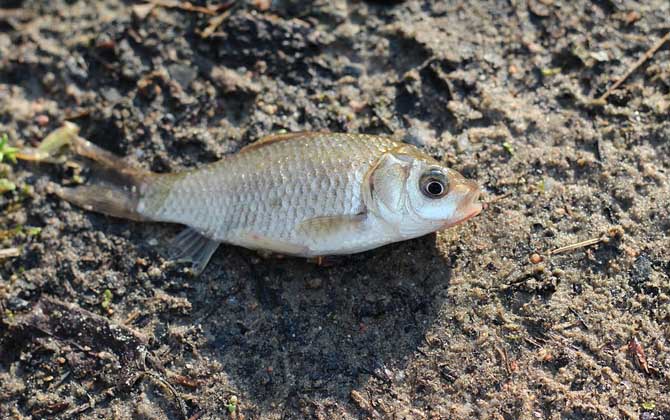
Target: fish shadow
290,333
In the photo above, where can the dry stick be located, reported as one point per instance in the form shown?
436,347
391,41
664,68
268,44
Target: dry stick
579,317
15,13
582,244
9,253
170,388
601,100
495,199
216,21
188,7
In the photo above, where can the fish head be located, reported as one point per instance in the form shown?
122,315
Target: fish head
418,195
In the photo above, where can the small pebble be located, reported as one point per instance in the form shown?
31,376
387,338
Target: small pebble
357,106
262,5
154,272
536,258
314,283
269,109
42,120
615,232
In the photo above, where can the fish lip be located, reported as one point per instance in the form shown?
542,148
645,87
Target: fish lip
474,212
471,206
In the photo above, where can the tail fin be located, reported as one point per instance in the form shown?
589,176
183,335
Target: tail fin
119,198
116,187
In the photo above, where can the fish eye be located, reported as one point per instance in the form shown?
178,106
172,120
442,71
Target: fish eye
434,184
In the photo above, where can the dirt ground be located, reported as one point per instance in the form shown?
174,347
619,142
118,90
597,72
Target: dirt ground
467,323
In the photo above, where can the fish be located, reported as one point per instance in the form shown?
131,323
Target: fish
304,194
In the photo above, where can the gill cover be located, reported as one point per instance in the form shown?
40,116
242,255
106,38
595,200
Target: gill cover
387,184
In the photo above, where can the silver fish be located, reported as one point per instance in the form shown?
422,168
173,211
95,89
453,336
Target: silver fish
304,194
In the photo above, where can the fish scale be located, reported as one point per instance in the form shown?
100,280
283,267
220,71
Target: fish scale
310,176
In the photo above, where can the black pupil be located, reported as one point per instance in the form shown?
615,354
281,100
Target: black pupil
435,188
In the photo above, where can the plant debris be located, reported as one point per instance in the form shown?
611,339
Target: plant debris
9,253
636,351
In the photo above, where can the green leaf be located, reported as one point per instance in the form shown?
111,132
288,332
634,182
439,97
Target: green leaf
106,299
553,71
648,405
508,147
232,404
6,151
33,230
6,185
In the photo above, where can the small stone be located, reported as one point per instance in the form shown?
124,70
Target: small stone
536,259
154,272
262,5
141,11
314,283
42,120
269,109
357,106
231,81
615,232
631,17
49,80
182,74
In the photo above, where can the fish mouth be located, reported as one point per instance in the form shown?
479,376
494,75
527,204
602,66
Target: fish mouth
470,205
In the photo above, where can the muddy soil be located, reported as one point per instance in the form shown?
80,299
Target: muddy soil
467,323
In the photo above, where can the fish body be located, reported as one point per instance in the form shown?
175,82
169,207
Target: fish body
303,194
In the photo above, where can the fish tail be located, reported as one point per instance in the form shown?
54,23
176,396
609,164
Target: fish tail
115,188
119,199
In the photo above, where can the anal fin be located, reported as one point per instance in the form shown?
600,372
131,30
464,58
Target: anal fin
192,246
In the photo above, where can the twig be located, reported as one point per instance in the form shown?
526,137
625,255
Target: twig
6,14
579,317
495,199
197,415
578,245
9,253
170,388
185,6
502,353
650,52
637,352
215,22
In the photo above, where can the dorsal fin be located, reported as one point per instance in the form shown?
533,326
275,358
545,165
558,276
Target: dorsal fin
274,138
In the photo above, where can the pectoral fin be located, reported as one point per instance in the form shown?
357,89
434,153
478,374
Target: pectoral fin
191,246
332,227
